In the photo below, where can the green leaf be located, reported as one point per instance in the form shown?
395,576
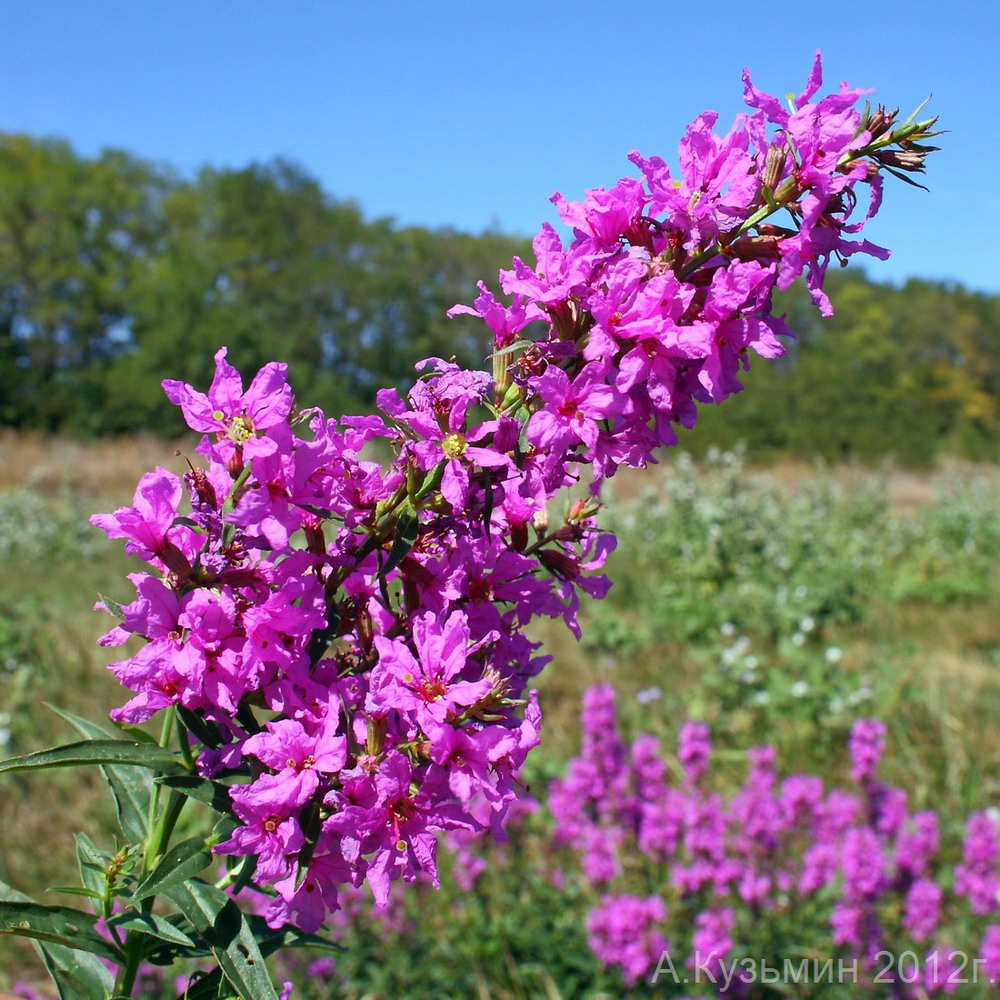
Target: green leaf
153,925
75,890
208,987
244,875
56,925
207,732
322,637
7,894
322,512
113,607
212,793
126,752
219,920
93,866
77,975
407,529
180,863
129,787
134,732
511,348
225,826
272,939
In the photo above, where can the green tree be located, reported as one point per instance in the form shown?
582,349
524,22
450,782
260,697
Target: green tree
72,235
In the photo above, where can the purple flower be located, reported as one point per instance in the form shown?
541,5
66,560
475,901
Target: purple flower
299,757
917,844
939,972
976,876
711,941
621,930
429,685
694,747
866,744
571,410
271,830
861,862
377,617
229,411
923,909
149,524
990,952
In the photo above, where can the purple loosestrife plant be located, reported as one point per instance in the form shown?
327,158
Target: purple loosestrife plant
339,648
781,871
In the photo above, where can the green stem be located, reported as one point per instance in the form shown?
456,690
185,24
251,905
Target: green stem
160,828
714,249
775,204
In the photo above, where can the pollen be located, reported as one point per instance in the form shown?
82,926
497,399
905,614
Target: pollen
240,430
454,445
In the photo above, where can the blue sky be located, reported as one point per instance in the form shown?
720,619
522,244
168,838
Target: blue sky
471,114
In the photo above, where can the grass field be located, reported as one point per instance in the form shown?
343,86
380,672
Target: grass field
775,604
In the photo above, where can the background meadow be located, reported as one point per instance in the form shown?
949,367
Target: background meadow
777,604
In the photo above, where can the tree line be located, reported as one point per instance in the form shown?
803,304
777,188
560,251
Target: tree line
116,273
908,372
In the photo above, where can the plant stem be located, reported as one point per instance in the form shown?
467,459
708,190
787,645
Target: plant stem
159,830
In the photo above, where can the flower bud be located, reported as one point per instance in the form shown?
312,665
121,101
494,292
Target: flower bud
880,121
774,165
540,521
559,564
519,535
375,735
909,156
175,560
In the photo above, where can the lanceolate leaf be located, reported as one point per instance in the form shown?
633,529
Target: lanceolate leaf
222,925
113,607
271,940
511,348
208,732
209,987
77,974
75,890
125,752
93,865
150,923
180,863
212,793
129,786
56,925
407,529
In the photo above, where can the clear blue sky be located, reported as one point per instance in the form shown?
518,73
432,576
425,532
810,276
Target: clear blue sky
472,114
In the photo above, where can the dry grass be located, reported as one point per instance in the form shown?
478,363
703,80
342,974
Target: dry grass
105,468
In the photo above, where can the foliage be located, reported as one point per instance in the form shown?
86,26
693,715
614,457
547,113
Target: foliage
114,271
906,372
756,581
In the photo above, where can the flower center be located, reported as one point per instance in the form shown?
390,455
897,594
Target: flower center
454,445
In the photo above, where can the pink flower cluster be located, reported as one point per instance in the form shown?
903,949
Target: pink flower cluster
349,638
860,865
